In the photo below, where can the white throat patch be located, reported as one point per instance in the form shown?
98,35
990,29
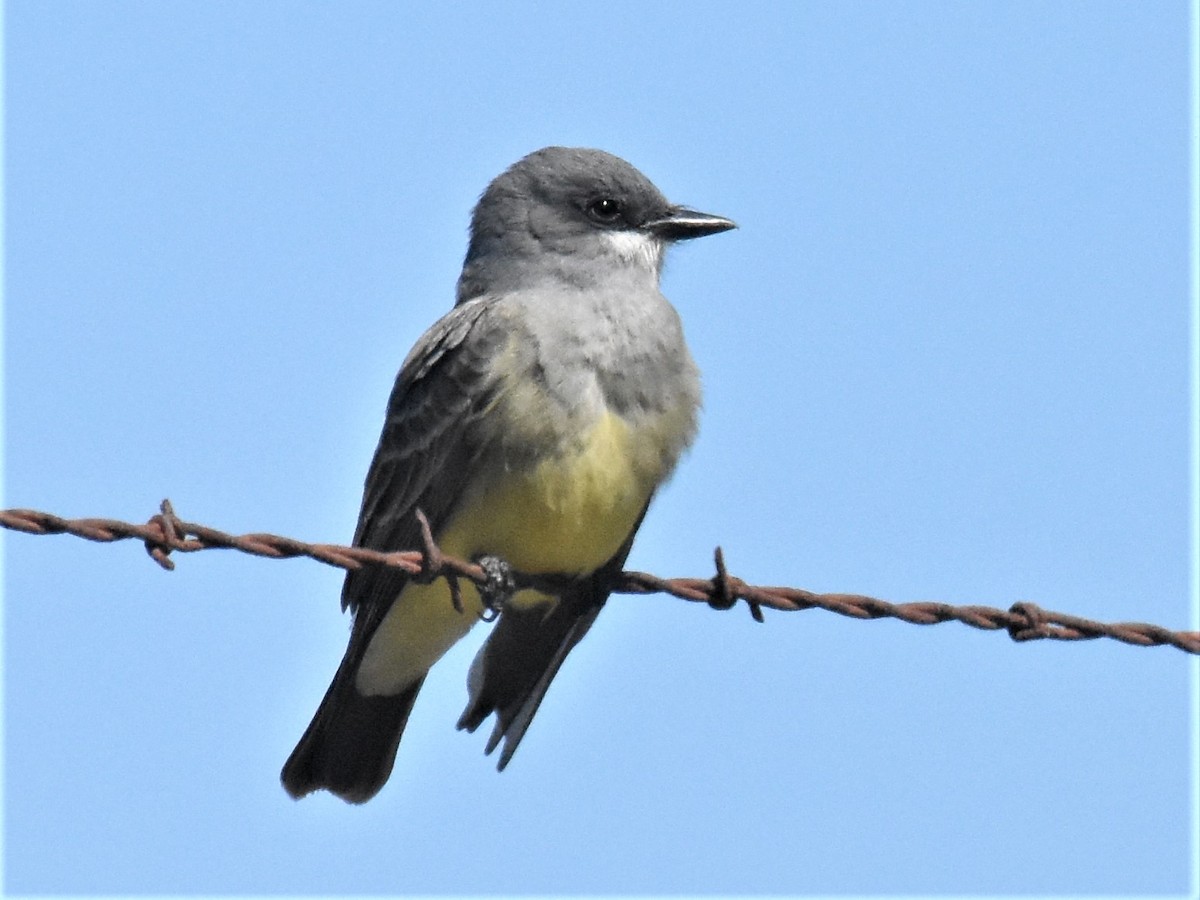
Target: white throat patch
637,249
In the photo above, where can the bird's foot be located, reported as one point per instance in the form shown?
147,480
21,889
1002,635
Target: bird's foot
500,586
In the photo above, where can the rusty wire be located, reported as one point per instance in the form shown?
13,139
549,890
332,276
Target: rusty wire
165,533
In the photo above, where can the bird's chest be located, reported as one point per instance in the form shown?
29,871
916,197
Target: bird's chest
571,508
593,420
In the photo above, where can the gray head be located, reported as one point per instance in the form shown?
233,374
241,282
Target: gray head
574,216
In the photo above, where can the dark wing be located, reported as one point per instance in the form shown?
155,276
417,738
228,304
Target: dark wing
429,442
514,667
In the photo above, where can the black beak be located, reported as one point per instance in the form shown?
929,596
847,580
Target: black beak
681,224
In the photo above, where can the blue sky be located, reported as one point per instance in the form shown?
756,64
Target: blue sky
946,357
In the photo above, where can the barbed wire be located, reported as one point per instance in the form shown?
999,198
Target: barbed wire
166,533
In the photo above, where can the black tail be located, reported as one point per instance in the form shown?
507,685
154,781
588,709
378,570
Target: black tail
350,745
520,658
514,667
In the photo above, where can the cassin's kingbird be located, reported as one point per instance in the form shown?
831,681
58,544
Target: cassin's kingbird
533,423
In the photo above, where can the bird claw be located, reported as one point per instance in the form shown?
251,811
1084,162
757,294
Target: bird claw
500,586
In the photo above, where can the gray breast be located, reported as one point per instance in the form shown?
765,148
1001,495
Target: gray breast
616,350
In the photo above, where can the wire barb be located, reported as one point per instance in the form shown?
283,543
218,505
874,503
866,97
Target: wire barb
168,524
433,563
166,533
722,596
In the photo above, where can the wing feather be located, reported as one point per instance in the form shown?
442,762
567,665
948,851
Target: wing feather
430,435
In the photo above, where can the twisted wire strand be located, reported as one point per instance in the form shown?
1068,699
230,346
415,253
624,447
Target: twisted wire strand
165,533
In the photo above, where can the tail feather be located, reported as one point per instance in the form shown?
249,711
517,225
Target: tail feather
514,667
350,745
516,664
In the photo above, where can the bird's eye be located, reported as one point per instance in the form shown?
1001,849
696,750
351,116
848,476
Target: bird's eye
604,209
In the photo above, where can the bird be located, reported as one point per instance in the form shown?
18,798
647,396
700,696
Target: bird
531,426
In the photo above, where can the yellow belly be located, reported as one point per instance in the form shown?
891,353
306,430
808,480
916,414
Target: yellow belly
569,514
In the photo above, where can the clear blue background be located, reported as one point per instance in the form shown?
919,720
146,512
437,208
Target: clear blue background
946,357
